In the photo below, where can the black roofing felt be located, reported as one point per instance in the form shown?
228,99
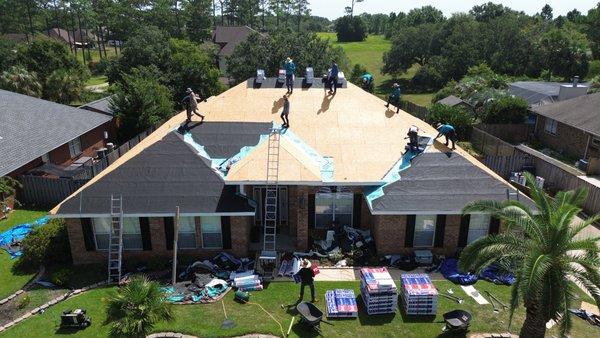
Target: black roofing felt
100,106
225,139
438,183
165,175
299,83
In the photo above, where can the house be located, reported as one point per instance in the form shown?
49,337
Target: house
571,127
538,93
454,101
36,134
343,161
227,38
76,37
100,106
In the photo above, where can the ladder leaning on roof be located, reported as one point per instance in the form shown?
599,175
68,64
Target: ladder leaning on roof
268,256
115,239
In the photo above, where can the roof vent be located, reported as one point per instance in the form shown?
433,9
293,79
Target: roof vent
310,75
260,75
575,80
281,76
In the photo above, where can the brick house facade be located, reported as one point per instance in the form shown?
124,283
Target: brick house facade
566,139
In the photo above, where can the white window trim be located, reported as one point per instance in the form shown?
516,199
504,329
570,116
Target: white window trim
553,126
188,232
333,213
202,235
432,237
72,149
110,224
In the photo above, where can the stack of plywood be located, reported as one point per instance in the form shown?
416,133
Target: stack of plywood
419,295
378,291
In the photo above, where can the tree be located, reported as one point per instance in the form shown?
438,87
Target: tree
44,56
460,45
563,52
134,308
411,45
459,118
545,251
507,109
19,80
350,9
350,28
546,13
8,188
139,102
593,29
63,86
46,245
301,8
424,15
8,54
488,11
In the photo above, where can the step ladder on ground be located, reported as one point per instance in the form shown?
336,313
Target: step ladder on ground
268,257
115,239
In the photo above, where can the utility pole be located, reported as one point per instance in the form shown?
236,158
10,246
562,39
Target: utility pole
175,237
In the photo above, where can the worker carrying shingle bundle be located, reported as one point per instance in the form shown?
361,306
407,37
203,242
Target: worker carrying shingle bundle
448,132
190,101
290,70
394,97
413,138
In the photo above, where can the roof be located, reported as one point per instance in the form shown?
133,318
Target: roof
100,106
160,178
581,112
230,36
452,101
440,184
349,139
536,92
31,127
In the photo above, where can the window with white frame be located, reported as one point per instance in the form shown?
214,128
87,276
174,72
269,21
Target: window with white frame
187,233
132,235
550,126
75,147
212,237
333,207
424,230
479,226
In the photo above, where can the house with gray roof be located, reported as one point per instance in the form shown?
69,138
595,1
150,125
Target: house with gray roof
454,101
227,38
539,93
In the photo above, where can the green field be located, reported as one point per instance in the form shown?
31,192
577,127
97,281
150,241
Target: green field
95,54
96,80
369,53
205,320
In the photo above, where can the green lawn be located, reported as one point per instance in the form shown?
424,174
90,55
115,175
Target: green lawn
110,52
205,320
369,53
10,281
96,80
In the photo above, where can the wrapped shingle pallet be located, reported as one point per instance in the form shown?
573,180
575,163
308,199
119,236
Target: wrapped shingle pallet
419,295
341,303
378,291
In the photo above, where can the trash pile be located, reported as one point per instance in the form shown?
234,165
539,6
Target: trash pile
341,303
10,240
378,291
246,281
419,295
345,242
184,293
290,265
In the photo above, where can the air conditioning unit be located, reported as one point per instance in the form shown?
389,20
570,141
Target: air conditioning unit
581,165
281,76
260,76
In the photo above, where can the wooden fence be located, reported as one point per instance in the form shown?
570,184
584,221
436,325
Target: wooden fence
489,144
415,110
48,191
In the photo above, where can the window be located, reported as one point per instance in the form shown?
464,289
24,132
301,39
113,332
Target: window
46,158
479,225
75,147
596,142
187,233
211,232
330,207
550,126
132,236
424,230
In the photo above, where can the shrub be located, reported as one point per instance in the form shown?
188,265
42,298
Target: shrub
350,28
61,277
449,89
459,118
431,76
24,301
505,110
594,69
48,244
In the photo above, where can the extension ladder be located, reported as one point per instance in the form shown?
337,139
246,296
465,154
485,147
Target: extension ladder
115,239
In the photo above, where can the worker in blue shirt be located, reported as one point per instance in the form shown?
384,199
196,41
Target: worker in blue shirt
290,70
333,77
394,97
447,131
367,79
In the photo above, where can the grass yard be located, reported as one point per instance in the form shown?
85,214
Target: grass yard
96,80
369,53
205,320
110,53
9,281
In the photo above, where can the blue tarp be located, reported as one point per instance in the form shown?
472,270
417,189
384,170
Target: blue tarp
17,233
493,274
449,269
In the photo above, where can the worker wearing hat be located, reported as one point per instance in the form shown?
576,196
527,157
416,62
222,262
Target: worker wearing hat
394,97
448,132
306,278
290,70
190,101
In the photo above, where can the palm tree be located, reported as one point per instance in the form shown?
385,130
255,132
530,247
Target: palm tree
136,307
545,252
20,80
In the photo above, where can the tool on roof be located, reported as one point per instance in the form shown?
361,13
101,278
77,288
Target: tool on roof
115,239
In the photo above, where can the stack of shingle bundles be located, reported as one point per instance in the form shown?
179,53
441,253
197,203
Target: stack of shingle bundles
248,283
378,291
341,303
419,295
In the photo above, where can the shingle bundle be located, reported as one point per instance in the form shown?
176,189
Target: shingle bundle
248,283
341,303
419,295
378,291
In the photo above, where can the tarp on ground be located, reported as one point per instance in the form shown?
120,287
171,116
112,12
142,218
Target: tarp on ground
17,234
449,269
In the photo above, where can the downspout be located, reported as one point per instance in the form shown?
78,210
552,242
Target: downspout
587,146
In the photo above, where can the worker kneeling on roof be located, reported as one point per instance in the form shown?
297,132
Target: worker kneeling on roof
413,138
448,132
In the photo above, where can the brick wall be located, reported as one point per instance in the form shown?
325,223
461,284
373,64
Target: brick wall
90,142
568,140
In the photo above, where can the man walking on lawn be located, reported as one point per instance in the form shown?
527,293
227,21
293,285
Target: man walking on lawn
307,278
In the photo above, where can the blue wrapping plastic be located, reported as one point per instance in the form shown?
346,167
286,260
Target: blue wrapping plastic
493,274
449,269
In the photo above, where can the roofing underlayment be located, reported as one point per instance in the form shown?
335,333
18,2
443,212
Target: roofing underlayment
346,139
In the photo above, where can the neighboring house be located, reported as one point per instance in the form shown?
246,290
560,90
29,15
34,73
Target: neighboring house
16,37
571,127
454,101
227,38
538,93
46,137
77,37
100,106
342,162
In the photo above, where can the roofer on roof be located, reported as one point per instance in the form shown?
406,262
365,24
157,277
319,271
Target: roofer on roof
413,136
367,79
447,131
190,101
290,70
285,112
333,77
394,97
